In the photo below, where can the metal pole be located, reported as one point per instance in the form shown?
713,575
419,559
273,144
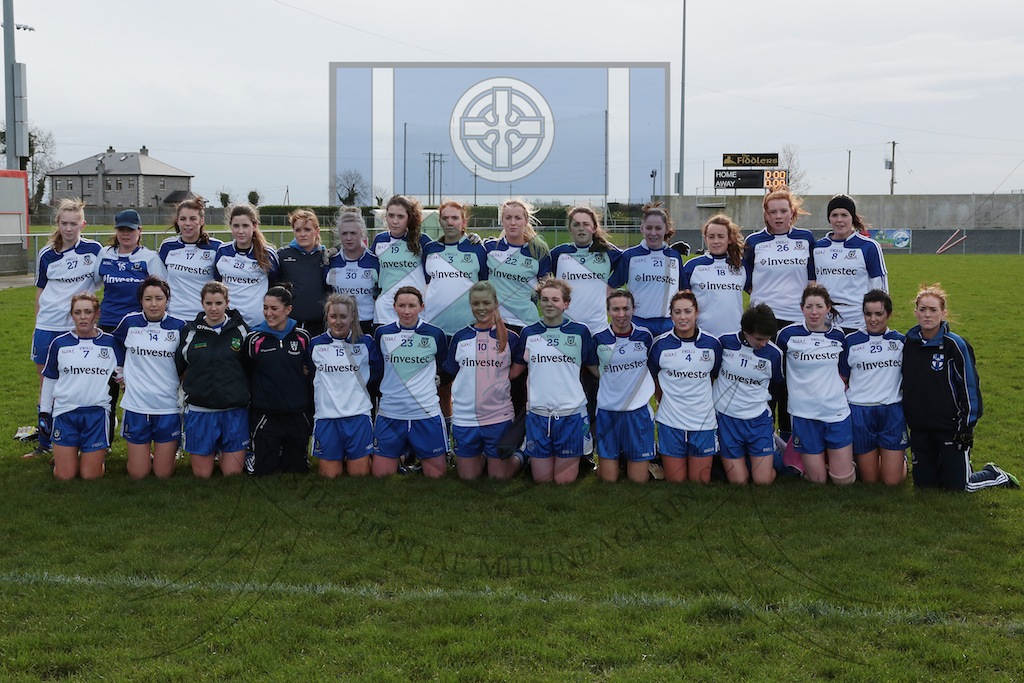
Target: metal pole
11,132
682,105
892,170
849,156
405,152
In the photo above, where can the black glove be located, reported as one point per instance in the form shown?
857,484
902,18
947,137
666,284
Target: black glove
473,238
964,439
45,424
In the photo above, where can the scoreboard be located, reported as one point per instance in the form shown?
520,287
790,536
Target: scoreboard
750,179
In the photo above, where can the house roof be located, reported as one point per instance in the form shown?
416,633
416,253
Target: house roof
120,163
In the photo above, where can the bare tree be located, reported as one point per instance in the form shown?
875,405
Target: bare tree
349,186
42,159
789,158
380,195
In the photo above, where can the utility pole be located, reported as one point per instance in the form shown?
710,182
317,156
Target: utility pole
439,160
849,158
430,176
474,184
892,170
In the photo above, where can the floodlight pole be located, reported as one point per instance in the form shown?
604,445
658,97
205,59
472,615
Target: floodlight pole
682,106
13,128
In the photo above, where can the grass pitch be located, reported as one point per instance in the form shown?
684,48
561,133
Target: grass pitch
294,578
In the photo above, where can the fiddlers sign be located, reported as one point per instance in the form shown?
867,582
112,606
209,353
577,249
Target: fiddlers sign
750,160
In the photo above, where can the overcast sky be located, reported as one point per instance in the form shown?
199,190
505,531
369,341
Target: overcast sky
237,92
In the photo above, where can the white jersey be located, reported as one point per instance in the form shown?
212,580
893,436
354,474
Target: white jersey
588,273
848,270
514,273
342,368
874,365
555,356
399,267
743,386
247,283
626,383
357,278
412,357
718,287
481,392
77,371
451,270
778,270
652,276
61,275
685,369
189,267
816,390
150,376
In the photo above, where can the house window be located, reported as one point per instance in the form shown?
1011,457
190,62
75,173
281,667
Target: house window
131,183
163,184
120,184
71,185
109,185
90,183
56,184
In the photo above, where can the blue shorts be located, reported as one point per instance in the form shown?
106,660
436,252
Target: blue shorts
225,431
879,427
739,438
472,441
87,429
343,438
567,436
679,443
142,429
626,433
426,438
814,436
41,340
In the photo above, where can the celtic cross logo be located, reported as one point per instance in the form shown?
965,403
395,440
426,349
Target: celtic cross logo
502,128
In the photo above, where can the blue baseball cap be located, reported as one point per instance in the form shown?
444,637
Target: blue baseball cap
129,218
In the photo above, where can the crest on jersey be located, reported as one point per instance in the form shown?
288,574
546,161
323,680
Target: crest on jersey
171,336
893,346
705,355
638,346
762,364
527,262
598,258
851,255
236,343
293,345
571,341
87,259
254,265
104,353
938,362
206,255
424,342
800,246
356,350
467,258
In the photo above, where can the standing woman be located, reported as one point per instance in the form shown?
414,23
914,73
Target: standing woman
556,350
354,270
152,410
303,263
652,271
848,264
751,364
189,258
624,421
343,362
280,388
400,251
64,267
586,264
409,420
822,428
211,362
872,362
480,360
717,278
942,401
780,262
515,262
684,363
247,265
124,264
74,402
453,264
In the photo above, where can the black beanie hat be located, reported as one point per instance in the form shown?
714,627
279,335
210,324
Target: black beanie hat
841,201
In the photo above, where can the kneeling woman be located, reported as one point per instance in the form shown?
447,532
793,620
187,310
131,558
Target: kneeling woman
211,361
684,363
152,410
822,428
281,407
343,362
409,420
480,359
74,403
556,350
872,362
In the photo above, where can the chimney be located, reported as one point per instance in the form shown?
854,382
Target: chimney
144,151
111,150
